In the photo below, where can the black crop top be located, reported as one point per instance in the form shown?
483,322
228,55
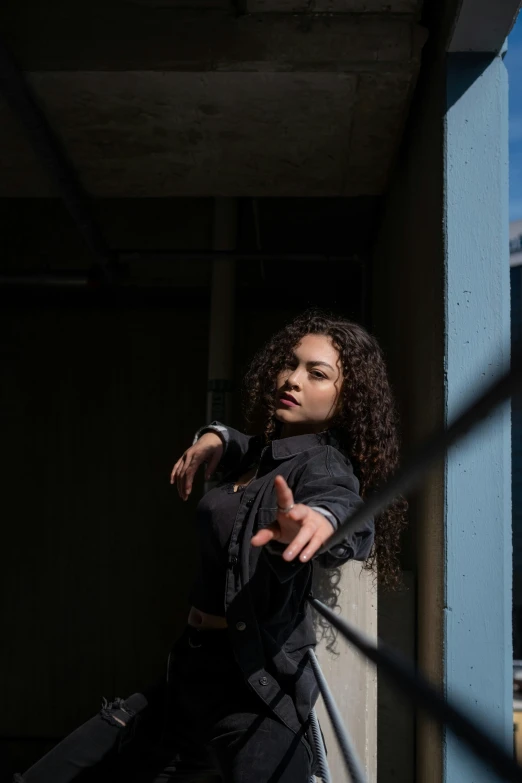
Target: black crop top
215,517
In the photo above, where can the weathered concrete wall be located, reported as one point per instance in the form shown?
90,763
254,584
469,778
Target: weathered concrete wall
194,99
351,678
111,35
187,134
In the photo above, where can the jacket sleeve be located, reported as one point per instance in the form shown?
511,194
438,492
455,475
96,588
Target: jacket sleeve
328,484
235,443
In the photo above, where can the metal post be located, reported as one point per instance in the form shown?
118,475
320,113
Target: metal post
221,330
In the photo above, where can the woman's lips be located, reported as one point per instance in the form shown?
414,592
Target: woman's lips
288,402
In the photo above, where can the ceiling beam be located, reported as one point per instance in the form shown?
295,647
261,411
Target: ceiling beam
482,26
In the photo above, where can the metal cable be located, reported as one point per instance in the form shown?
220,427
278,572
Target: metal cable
351,760
323,770
415,468
424,695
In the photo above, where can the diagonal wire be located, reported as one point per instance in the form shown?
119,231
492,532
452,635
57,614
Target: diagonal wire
353,765
415,468
424,695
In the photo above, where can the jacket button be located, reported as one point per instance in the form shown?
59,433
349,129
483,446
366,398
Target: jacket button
263,681
241,626
233,560
249,502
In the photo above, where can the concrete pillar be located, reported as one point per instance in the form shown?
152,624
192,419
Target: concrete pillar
476,571
352,680
441,286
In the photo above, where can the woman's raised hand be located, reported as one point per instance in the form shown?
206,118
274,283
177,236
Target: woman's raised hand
304,529
207,450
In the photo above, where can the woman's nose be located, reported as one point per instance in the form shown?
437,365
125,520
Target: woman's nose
293,380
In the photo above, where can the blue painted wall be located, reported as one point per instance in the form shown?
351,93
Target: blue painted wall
516,463
477,520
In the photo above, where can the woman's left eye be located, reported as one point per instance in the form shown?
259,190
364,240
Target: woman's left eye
318,375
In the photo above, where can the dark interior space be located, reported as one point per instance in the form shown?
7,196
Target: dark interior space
102,389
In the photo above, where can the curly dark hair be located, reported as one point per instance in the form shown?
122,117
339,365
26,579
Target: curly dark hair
366,419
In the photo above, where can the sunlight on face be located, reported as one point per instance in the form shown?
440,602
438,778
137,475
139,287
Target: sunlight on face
308,389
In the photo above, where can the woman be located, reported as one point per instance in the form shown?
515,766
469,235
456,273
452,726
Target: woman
239,688
319,397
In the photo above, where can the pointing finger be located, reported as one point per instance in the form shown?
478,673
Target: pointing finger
284,495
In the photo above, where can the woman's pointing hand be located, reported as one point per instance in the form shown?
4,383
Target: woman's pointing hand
304,529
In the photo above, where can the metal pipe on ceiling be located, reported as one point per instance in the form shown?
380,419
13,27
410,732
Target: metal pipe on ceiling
45,281
62,279
128,256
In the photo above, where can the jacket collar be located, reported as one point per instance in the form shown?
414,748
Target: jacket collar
283,448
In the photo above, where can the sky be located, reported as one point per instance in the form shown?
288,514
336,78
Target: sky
513,62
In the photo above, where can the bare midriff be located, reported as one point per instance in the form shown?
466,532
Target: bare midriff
199,619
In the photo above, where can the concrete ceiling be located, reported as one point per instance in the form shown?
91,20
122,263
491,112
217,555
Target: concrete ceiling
165,98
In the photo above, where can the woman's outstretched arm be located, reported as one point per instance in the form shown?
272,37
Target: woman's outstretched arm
235,443
324,496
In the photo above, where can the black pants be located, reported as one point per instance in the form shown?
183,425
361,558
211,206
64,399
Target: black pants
202,724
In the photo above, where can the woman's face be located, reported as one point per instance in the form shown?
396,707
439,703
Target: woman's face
308,389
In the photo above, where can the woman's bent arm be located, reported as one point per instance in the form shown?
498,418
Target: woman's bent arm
235,444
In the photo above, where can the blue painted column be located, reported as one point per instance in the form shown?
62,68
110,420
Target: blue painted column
477,655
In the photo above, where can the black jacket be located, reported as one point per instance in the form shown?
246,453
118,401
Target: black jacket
265,596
